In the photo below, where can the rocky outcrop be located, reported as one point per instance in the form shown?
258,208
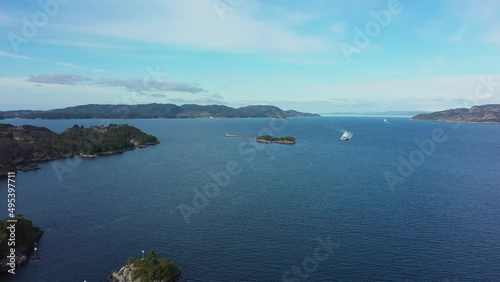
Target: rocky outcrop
125,275
28,167
147,269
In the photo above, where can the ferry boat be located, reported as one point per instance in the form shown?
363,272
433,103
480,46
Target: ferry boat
346,136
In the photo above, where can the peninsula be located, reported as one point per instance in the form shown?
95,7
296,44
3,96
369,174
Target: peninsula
95,111
26,236
476,114
21,146
149,268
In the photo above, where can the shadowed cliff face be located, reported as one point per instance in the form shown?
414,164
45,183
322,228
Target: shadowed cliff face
478,114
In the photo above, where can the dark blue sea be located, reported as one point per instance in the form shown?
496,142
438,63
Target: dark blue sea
375,208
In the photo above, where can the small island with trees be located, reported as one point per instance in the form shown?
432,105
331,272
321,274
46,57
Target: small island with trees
149,268
271,139
22,146
26,236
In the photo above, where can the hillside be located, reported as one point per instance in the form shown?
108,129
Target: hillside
23,145
93,111
476,114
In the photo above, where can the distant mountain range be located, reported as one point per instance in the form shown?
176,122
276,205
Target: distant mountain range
93,111
386,113
476,114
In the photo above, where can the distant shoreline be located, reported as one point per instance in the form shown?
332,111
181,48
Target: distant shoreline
454,121
143,111
484,114
33,164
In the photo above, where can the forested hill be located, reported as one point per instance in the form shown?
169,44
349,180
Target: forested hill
476,114
156,111
27,144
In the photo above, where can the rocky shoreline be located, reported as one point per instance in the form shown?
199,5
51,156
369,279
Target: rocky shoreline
485,114
21,147
31,164
125,275
24,251
146,269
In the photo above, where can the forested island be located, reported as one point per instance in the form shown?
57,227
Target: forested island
149,268
271,139
21,146
95,111
26,235
476,114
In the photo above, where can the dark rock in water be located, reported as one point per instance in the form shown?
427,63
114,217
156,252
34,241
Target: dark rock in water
29,167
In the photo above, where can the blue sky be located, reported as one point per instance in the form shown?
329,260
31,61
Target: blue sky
318,56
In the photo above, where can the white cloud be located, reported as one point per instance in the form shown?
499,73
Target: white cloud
439,60
475,11
79,44
459,35
338,27
493,36
57,78
480,14
5,19
10,55
68,65
440,89
194,24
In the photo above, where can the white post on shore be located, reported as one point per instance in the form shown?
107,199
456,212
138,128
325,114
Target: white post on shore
143,252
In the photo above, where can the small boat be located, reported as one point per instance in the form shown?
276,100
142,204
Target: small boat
346,136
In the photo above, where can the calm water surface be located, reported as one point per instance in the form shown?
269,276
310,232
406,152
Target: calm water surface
442,222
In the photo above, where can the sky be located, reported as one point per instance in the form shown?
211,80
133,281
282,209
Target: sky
320,56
